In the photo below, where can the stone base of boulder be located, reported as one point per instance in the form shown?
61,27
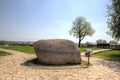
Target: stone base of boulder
57,51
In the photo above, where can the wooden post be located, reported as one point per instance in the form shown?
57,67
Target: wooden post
88,60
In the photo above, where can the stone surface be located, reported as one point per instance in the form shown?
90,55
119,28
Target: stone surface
57,51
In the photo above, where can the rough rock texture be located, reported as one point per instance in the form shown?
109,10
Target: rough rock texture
57,51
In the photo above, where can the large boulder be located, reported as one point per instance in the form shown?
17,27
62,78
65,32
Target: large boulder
57,51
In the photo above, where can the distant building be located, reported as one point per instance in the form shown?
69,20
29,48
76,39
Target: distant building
112,46
108,46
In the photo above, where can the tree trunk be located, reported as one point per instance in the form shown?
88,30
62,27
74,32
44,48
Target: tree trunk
79,43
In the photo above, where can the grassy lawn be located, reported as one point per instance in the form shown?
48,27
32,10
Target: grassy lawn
29,49
26,49
2,53
84,49
113,55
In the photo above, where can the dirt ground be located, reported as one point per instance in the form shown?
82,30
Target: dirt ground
11,69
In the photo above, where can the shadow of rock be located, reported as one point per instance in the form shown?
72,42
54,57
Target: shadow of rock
34,63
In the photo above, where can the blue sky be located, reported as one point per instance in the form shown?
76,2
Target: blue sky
32,20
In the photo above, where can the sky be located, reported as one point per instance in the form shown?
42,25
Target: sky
32,20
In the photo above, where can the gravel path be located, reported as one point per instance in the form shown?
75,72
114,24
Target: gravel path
95,51
11,69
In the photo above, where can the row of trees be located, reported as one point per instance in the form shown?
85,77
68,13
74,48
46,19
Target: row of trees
100,41
21,43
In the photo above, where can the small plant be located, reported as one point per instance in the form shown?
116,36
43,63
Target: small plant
86,63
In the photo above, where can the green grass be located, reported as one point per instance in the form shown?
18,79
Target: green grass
86,63
113,55
84,49
2,53
26,49
30,50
